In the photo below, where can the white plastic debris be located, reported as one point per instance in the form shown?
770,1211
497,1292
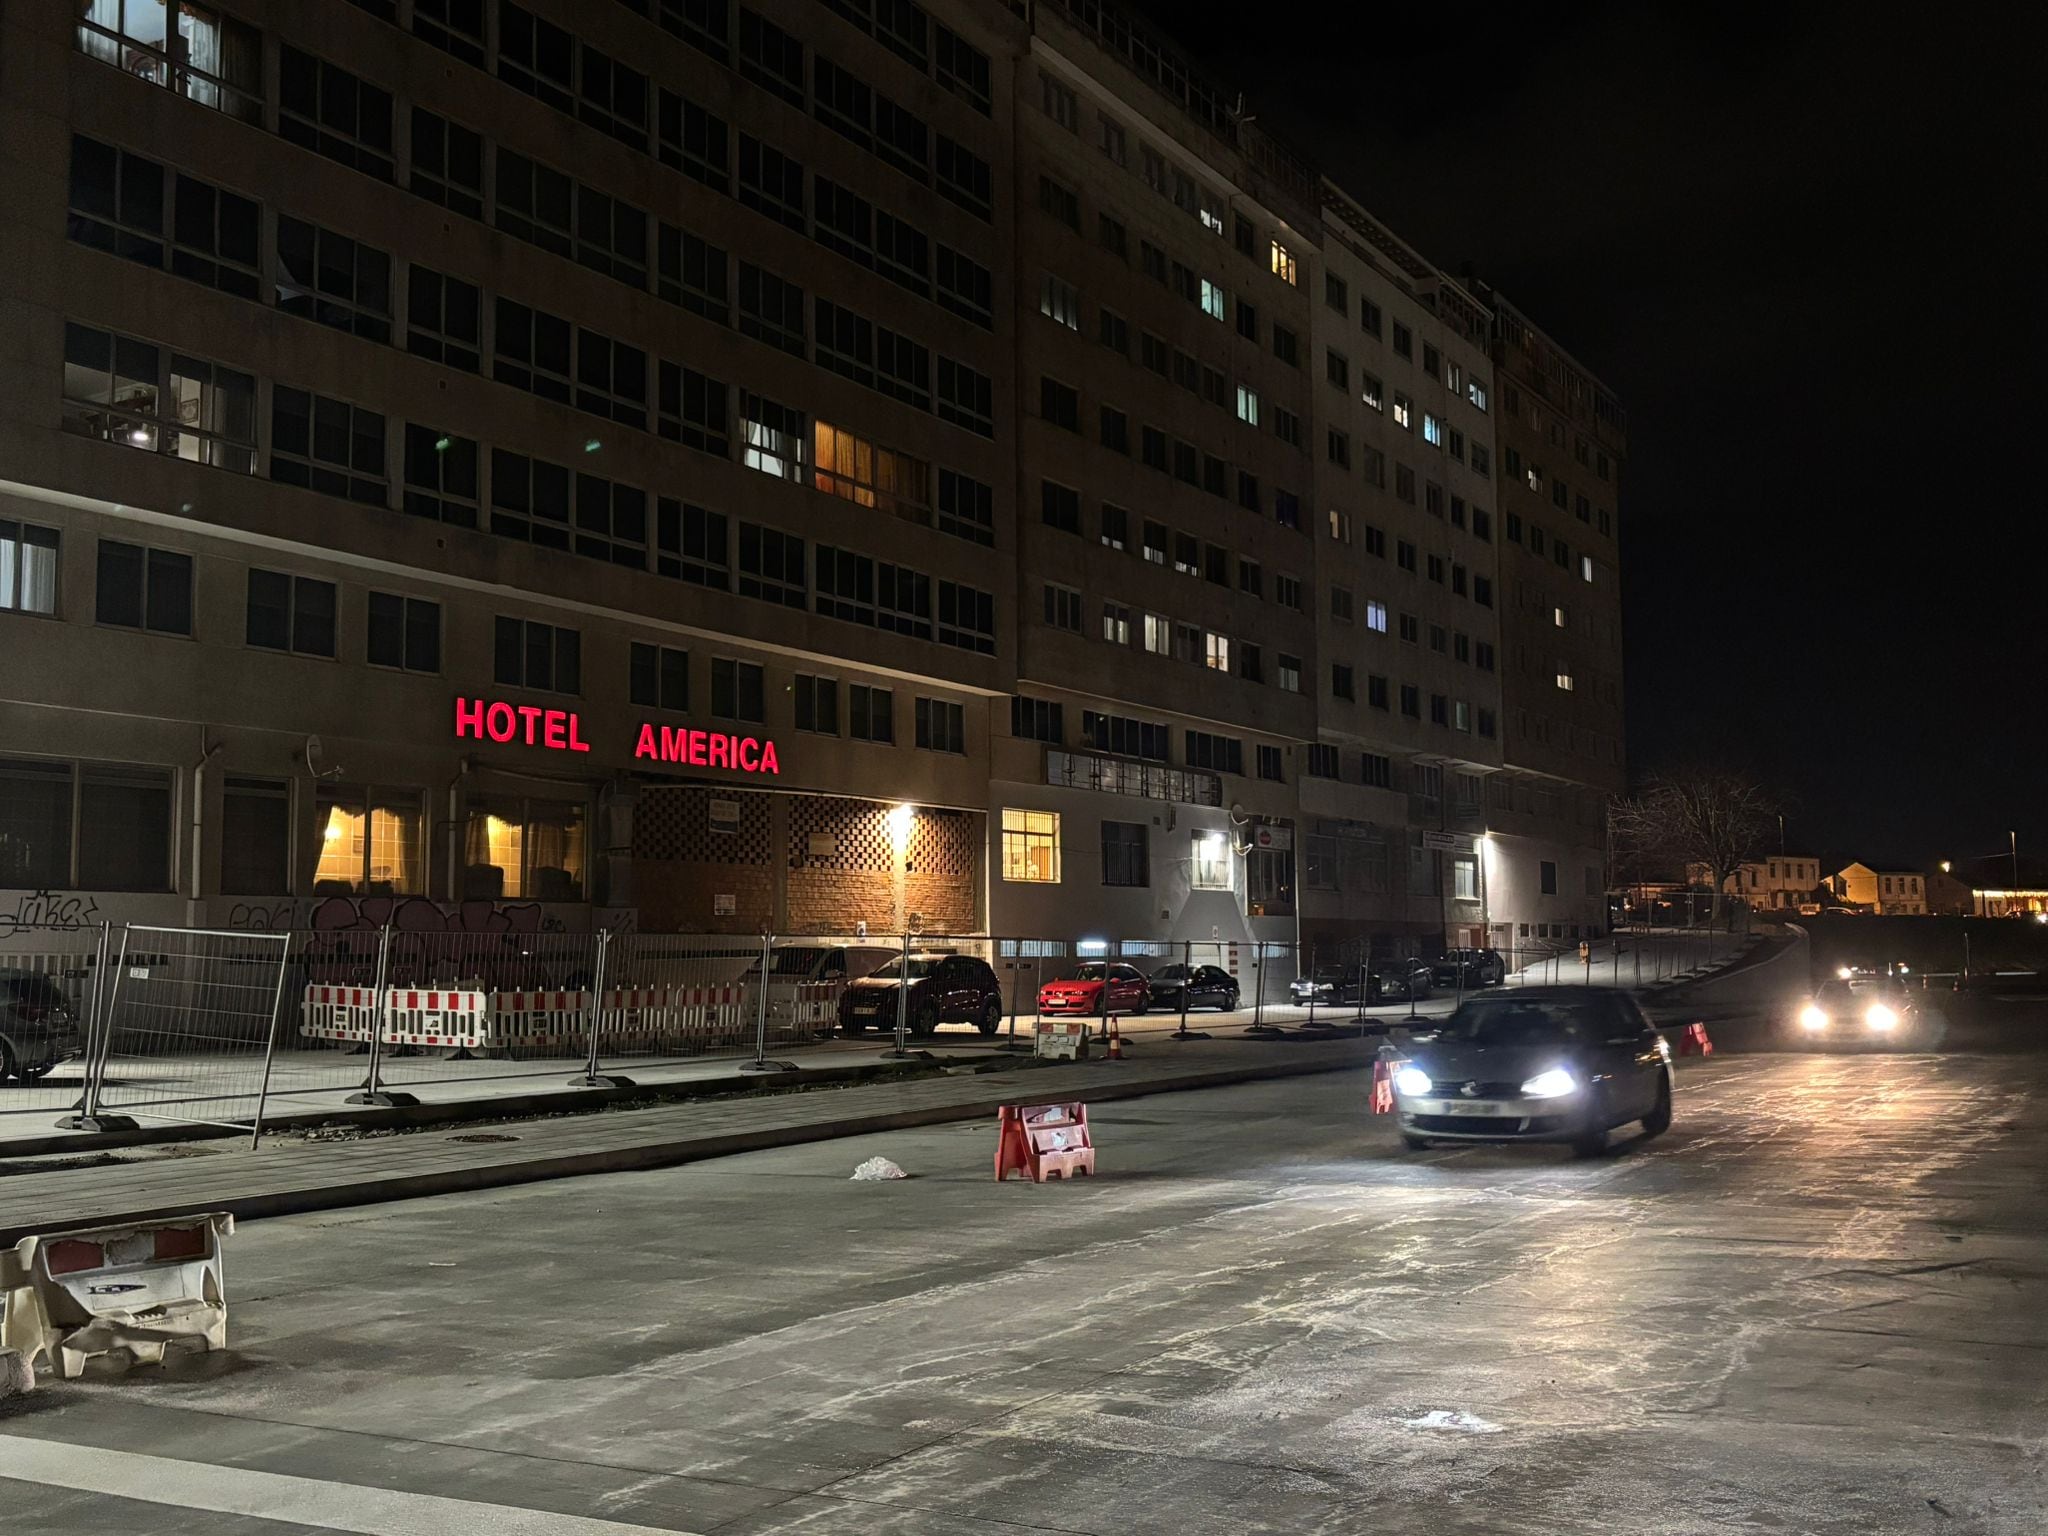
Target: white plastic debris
1451,1418
17,1374
878,1168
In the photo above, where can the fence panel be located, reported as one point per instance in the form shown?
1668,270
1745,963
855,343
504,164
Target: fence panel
192,1017
49,1010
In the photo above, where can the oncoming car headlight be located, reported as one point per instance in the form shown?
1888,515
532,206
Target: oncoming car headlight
1553,1084
1412,1081
1813,1016
1881,1017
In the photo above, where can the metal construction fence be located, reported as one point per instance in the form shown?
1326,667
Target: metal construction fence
231,1027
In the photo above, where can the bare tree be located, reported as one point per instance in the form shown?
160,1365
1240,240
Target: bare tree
1710,818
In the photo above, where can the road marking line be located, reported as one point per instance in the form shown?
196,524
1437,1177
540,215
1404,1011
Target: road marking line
309,1501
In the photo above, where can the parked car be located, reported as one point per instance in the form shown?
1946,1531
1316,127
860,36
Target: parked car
1861,1008
1399,981
1542,1064
1470,969
1200,986
1080,991
1326,986
37,1027
944,989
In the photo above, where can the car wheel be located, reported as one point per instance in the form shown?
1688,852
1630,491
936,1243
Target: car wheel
926,1019
6,1061
1142,1005
1658,1120
1592,1140
42,1069
1229,1003
991,1016
1415,1143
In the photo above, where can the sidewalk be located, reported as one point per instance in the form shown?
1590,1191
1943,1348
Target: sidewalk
291,1174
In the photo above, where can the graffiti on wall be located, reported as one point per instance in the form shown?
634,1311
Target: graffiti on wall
49,912
403,914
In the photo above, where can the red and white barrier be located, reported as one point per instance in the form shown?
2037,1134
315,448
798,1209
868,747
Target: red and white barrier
428,1016
539,1018
817,1004
337,1013
1045,1141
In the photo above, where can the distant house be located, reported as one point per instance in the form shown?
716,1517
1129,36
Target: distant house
1997,889
1890,891
1767,884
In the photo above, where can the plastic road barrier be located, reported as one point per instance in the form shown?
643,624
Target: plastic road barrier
1382,1087
338,1013
1693,1041
1045,1141
538,1018
136,1290
1062,1039
416,1017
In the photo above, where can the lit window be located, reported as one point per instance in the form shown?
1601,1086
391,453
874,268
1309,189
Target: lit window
1557,617
1212,300
1371,393
1585,567
1404,412
370,842
1288,673
1464,879
1031,846
1210,870
1376,617
1475,391
28,568
1218,654
858,471
1247,405
1283,263
1340,526
773,437
1060,300
1158,634
1432,430
531,850
1564,676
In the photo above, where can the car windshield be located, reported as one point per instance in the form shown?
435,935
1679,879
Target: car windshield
1522,1021
920,965
1171,973
1085,973
35,991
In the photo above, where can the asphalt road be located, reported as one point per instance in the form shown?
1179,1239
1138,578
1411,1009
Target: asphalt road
1820,1304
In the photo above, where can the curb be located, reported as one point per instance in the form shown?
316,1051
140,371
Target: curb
343,1191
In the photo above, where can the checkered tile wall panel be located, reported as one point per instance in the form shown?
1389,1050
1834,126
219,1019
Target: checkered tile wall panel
675,824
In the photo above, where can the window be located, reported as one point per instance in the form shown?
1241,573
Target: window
611,379
1059,506
690,409
1113,142
529,499
1340,526
371,840
941,727
1216,652
403,632
1283,263
965,287
1125,857
966,397
771,182
1342,684
816,701
1114,332
1247,320
1116,430
1036,720
1031,844
1268,763
447,164
1060,300
1286,346
962,69
1336,294
737,690
1287,427
332,279
966,507
256,836
1411,629
97,826
692,273
528,849
1374,770
1247,405
1116,623
117,203
333,113
328,445
1546,874
290,613
1059,404
204,56
1376,690
533,351
1411,701
1287,510
540,656
772,310
443,319
28,568
1439,709
1158,634
1376,616
142,588
693,140
869,475
1432,429
965,178
1059,200
870,713
1209,864
967,617
1404,341
1565,680
1585,567
772,437
1212,300
121,390
690,544
772,566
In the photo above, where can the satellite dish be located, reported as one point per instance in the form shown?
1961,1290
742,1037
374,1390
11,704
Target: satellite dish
312,750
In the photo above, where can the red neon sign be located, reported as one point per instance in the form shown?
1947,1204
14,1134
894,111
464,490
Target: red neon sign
706,749
559,730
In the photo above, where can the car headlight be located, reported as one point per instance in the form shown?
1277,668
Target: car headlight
1550,1085
1881,1017
1813,1016
1412,1081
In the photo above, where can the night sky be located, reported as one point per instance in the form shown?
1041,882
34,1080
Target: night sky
1798,243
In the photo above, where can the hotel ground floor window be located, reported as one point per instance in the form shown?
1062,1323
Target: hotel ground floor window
1125,860
1211,865
255,837
1031,845
1465,879
370,842
526,850
1269,882
86,826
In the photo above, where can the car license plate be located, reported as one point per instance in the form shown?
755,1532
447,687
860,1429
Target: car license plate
1481,1107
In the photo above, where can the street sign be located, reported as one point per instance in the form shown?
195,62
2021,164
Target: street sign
1278,838
1448,842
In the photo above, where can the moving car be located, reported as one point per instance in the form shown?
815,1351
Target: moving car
37,1028
1859,1009
1204,986
1542,1064
1080,991
1470,969
944,989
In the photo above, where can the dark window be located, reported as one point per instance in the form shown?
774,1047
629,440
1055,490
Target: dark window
611,236
144,588
694,140
817,704
117,201
691,544
1116,430
1224,754
444,319
447,164
536,203
1037,720
533,351
962,69
611,378
1322,761
966,397
966,507
965,178
291,613
737,690
611,522
658,677
1059,506
691,409
328,446
771,182
1269,762
255,837
613,98
537,57
870,713
542,656
965,287
770,56
1059,404
772,566
967,618
941,727
529,499
333,113
1125,859
1546,873
456,26
403,632
124,828
330,278
692,272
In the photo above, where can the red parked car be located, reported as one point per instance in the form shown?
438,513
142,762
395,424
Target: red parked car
1080,991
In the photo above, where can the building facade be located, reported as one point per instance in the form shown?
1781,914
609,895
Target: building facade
744,466
1768,884
1889,891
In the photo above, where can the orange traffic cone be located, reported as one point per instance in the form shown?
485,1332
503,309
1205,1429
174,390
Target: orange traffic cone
1116,1042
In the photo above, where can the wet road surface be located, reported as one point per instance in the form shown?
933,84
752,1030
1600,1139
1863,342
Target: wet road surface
1820,1304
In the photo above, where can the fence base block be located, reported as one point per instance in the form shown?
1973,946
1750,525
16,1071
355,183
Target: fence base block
96,1123
768,1066
382,1098
1263,1032
1184,1033
600,1080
